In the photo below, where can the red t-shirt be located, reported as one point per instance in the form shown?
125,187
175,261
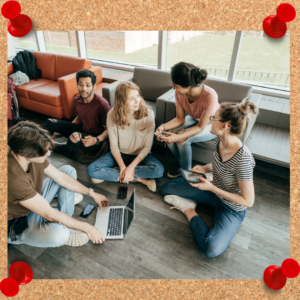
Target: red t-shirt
93,114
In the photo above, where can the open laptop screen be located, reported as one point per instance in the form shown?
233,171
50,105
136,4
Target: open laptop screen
129,213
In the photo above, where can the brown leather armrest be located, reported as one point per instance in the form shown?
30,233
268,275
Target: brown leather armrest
68,89
10,69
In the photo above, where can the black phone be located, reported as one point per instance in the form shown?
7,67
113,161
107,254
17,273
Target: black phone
161,134
191,176
87,211
122,193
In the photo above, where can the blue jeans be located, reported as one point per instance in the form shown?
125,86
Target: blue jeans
103,168
41,232
183,152
226,221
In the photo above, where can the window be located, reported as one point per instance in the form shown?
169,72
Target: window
264,61
129,47
210,50
61,42
27,42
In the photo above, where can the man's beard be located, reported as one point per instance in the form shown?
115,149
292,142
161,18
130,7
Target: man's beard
88,95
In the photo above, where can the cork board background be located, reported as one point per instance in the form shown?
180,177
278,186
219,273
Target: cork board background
57,15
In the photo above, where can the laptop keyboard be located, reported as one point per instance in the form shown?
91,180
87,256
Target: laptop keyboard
115,222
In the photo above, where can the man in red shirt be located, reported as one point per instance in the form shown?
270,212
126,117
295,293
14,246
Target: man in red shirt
88,130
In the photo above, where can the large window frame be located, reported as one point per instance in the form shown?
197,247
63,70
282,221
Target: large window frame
161,63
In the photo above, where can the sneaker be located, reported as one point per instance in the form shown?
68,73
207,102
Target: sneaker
174,173
77,238
59,147
95,180
78,198
180,203
151,185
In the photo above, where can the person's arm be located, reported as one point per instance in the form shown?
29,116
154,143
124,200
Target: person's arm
76,120
41,207
247,191
72,184
103,136
174,123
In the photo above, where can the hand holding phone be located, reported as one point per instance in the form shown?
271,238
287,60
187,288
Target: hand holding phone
161,134
192,177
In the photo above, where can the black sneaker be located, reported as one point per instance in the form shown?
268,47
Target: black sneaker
59,147
174,173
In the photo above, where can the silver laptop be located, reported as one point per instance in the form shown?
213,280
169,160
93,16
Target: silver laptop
114,221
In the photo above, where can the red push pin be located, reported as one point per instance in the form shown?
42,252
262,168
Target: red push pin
275,26
275,277
19,24
20,273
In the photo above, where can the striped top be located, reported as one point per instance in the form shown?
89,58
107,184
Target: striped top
226,174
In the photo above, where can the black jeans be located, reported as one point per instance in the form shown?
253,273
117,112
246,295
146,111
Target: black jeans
73,132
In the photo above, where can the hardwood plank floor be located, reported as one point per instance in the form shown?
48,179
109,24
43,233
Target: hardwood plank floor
160,243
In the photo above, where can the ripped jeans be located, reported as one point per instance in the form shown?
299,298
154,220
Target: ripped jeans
103,168
74,133
183,152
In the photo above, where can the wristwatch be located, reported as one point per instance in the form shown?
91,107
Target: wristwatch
90,192
98,142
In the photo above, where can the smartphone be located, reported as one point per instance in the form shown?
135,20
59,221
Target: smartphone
161,134
192,177
122,193
87,211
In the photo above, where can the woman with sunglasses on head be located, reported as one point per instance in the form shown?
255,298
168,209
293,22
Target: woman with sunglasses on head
200,102
230,193
130,126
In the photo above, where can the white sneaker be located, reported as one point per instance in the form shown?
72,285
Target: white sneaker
77,238
95,180
180,203
78,198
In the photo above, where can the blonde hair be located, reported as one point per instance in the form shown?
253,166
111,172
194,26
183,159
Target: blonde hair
237,114
120,111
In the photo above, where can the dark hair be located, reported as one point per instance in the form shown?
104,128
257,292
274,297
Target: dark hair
185,75
237,114
28,139
86,73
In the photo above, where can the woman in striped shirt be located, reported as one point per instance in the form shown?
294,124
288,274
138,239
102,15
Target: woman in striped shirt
230,193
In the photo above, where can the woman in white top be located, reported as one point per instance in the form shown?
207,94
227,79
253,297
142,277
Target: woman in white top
230,193
130,126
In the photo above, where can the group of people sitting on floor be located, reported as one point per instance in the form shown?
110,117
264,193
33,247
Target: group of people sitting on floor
130,126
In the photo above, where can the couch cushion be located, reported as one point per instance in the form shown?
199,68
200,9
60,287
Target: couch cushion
66,65
229,91
10,69
22,90
47,94
153,105
153,83
45,62
98,88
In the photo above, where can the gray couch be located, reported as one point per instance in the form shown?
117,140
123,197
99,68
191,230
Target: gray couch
227,92
154,84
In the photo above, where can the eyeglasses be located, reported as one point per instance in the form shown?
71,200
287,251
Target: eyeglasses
212,118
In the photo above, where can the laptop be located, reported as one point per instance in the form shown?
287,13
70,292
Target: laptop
114,221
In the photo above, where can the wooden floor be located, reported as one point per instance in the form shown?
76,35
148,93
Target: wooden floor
160,243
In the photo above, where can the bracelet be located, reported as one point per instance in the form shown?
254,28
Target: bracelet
90,192
164,127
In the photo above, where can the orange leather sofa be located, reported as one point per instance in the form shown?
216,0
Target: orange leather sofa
53,94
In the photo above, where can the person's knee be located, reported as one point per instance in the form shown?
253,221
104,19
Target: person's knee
159,169
69,170
49,122
58,236
75,137
212,249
